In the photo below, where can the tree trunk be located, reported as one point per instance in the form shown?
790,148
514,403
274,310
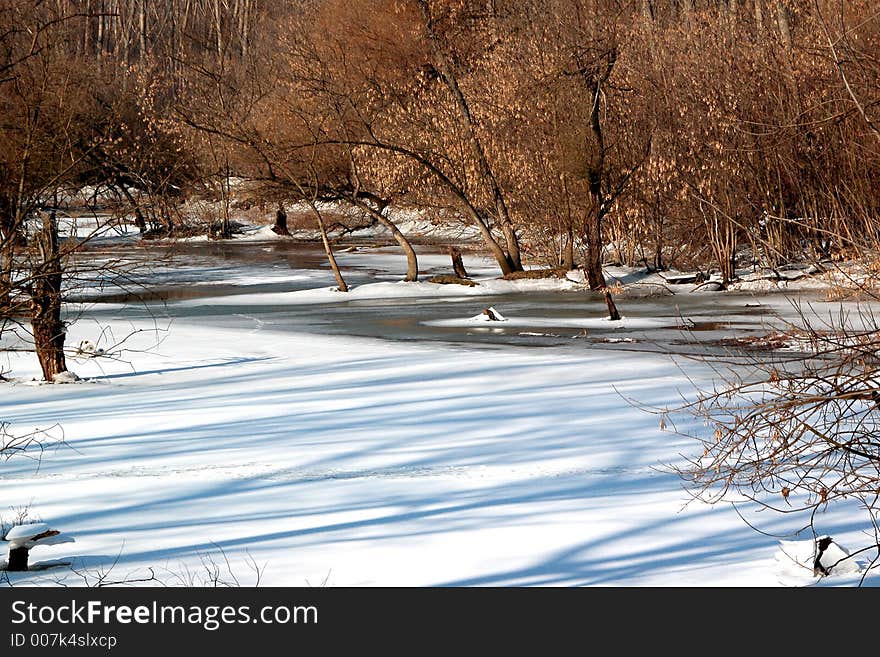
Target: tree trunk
595,78
340,281
7,246
512,240
457,263
593,263
45,293
658,244
139,221
412,261
6,220
11,233
280,227
142,30
18,560
613,313
5,285
568,254
759,21
503,259
218,29
138,215
784,24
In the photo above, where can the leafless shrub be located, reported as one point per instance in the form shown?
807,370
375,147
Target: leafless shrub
20,516
799,432
30,444
213,571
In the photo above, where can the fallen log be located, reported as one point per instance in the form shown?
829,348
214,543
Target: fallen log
445,279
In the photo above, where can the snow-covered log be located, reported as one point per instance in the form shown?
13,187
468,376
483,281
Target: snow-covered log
23,538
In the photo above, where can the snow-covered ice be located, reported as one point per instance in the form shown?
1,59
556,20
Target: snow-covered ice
373,463
559,322
386,290
357,461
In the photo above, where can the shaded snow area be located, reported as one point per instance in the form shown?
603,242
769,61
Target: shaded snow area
365,462
421,453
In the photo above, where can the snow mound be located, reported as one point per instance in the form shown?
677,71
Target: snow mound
35,534
489,315
258,234
25,531
65,377
802,561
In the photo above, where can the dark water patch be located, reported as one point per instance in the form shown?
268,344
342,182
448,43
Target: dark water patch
178,293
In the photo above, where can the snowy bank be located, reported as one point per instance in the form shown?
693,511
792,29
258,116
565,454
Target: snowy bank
366,462
389,290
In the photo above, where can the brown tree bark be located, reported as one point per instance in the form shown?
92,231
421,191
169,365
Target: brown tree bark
328,249
139,221
45,293
138,215
280,227
596,78
593,260
457,263
782,21
567,259
5,282
412,261
7,246
613,313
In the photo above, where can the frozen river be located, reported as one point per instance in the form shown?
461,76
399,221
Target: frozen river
379,437
244,284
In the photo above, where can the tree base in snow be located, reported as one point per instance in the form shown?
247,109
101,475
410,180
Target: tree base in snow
65,377
280,227
613,313
18,560
457,263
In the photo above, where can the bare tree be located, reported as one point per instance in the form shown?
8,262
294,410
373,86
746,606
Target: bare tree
798,435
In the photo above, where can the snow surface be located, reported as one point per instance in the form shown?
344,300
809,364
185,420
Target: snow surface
361,462
386,290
